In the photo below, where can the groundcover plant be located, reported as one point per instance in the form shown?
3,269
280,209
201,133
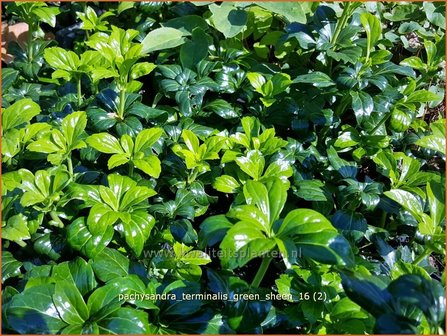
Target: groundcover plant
218,168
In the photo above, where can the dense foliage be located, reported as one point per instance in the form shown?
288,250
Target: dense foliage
154,151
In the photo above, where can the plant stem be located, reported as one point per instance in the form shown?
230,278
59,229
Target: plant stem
79,93
70,165
261,272
381,122
30,41
122,103
193,175
341,23
56,218
383,219
131,168
422,256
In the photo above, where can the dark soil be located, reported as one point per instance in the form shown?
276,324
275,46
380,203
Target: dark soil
435,113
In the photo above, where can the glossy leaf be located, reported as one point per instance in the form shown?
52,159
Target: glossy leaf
252,164
226,184
304,221
19,113
213,230
162,38
242,243
229,20
317,79
110,264
125,320
81,239
10,266
69,303
35,305
105,143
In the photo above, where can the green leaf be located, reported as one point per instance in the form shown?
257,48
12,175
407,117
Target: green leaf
126,321
304,221
62,59
109,197
195,50
349,220
187,23
100,217
52,143
311,190
227,19
135,195
127,143
366,294
435,141
76,329
257,81
16,230
183,231
435,13
252,164
105,143
120,184
69,303
137,230
196,258
223,109
19,113
242,243
327,247
10,265
291,11
47,14
373,29
73,127
213,229
33,311
82,275
151,165
317,79
226,184
251,214
407,200
9,76
162,38
345,168
413,62
436,201
362,104
277,196
117,160
256,193
280,82
387,164
146,139
289,251
105,300
81,239
191,140
428,293
269,198
110,264
422,96
345,308
142,69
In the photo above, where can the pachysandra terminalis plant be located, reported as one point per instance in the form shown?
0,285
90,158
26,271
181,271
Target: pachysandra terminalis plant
222,168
